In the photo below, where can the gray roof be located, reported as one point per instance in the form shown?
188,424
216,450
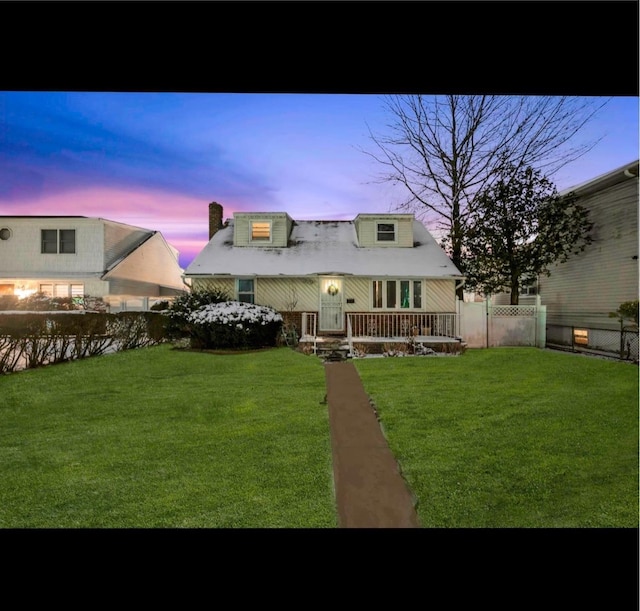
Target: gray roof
323,247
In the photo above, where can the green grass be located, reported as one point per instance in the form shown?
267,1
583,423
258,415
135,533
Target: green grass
163,438
512,437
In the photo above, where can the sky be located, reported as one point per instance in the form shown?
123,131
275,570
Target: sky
156,160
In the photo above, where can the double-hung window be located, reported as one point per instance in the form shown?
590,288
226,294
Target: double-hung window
386,232
246,290
397,294
58,241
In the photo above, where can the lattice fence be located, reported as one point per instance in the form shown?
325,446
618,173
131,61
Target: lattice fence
513,310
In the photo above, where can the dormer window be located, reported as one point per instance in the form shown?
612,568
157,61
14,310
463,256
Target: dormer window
386,232
261,231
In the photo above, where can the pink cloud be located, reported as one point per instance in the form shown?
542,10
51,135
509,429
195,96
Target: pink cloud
183,220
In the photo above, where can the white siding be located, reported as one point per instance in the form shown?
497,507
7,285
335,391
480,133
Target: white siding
588,286
226,285
440,296
119,240
21,254
366,230
290,294
152,263
357,289
280,229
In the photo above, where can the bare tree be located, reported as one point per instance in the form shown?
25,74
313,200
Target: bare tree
447,149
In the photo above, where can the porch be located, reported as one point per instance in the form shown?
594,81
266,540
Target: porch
371,330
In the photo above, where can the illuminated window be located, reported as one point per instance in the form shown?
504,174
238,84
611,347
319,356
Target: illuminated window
385,232
246,291
385,294
260,231
581,336
62,290
54,241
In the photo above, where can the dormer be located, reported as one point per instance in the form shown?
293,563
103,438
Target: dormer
384,230
261,229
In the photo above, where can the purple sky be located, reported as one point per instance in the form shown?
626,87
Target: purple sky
156,160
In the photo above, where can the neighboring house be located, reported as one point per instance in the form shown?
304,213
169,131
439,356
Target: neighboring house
378,275
74,256
580,293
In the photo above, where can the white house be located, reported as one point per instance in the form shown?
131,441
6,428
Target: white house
73,256
378,275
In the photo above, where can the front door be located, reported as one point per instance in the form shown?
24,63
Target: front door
331,296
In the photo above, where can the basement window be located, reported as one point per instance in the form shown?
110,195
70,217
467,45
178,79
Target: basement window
581,337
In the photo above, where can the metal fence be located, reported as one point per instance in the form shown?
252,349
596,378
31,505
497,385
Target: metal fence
608,342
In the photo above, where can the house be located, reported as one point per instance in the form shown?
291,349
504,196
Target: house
73,256
580,293
376,276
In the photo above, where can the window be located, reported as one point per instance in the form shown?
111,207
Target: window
67,241
5,233
246,292
530,289
56,241
62,290
385,232
581,336
49,241
260,231
396,294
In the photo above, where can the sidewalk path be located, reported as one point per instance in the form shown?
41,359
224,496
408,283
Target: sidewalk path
370,490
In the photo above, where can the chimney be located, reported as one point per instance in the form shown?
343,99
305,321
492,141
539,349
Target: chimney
215,218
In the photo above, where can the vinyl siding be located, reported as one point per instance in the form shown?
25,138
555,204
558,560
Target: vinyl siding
226,285
22,252
151,263
366,231
280,229
588,286
119,240
302,294
440,296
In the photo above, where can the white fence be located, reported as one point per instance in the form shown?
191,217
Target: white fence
484,325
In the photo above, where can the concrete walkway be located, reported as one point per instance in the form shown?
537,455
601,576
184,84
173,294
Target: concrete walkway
370,490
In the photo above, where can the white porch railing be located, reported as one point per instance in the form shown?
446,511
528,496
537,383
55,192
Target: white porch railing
309,325
399,324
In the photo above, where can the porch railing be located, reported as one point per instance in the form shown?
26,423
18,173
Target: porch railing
392,324
309,324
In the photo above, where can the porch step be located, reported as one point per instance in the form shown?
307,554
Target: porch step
333,350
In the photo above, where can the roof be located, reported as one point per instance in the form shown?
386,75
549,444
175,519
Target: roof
323,248
604,181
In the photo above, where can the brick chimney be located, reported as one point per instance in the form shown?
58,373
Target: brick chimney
215,218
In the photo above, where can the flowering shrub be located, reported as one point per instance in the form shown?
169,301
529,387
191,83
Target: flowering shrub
233,324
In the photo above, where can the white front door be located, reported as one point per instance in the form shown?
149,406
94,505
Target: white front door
331,296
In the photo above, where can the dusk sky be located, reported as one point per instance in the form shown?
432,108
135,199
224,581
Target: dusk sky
156,160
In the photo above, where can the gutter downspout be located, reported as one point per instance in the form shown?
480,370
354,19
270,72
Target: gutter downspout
459,284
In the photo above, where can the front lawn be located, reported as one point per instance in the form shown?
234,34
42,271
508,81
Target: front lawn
512,437
157,437
163,438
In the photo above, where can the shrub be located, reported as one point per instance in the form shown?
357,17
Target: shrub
232,324
177,325
9,302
